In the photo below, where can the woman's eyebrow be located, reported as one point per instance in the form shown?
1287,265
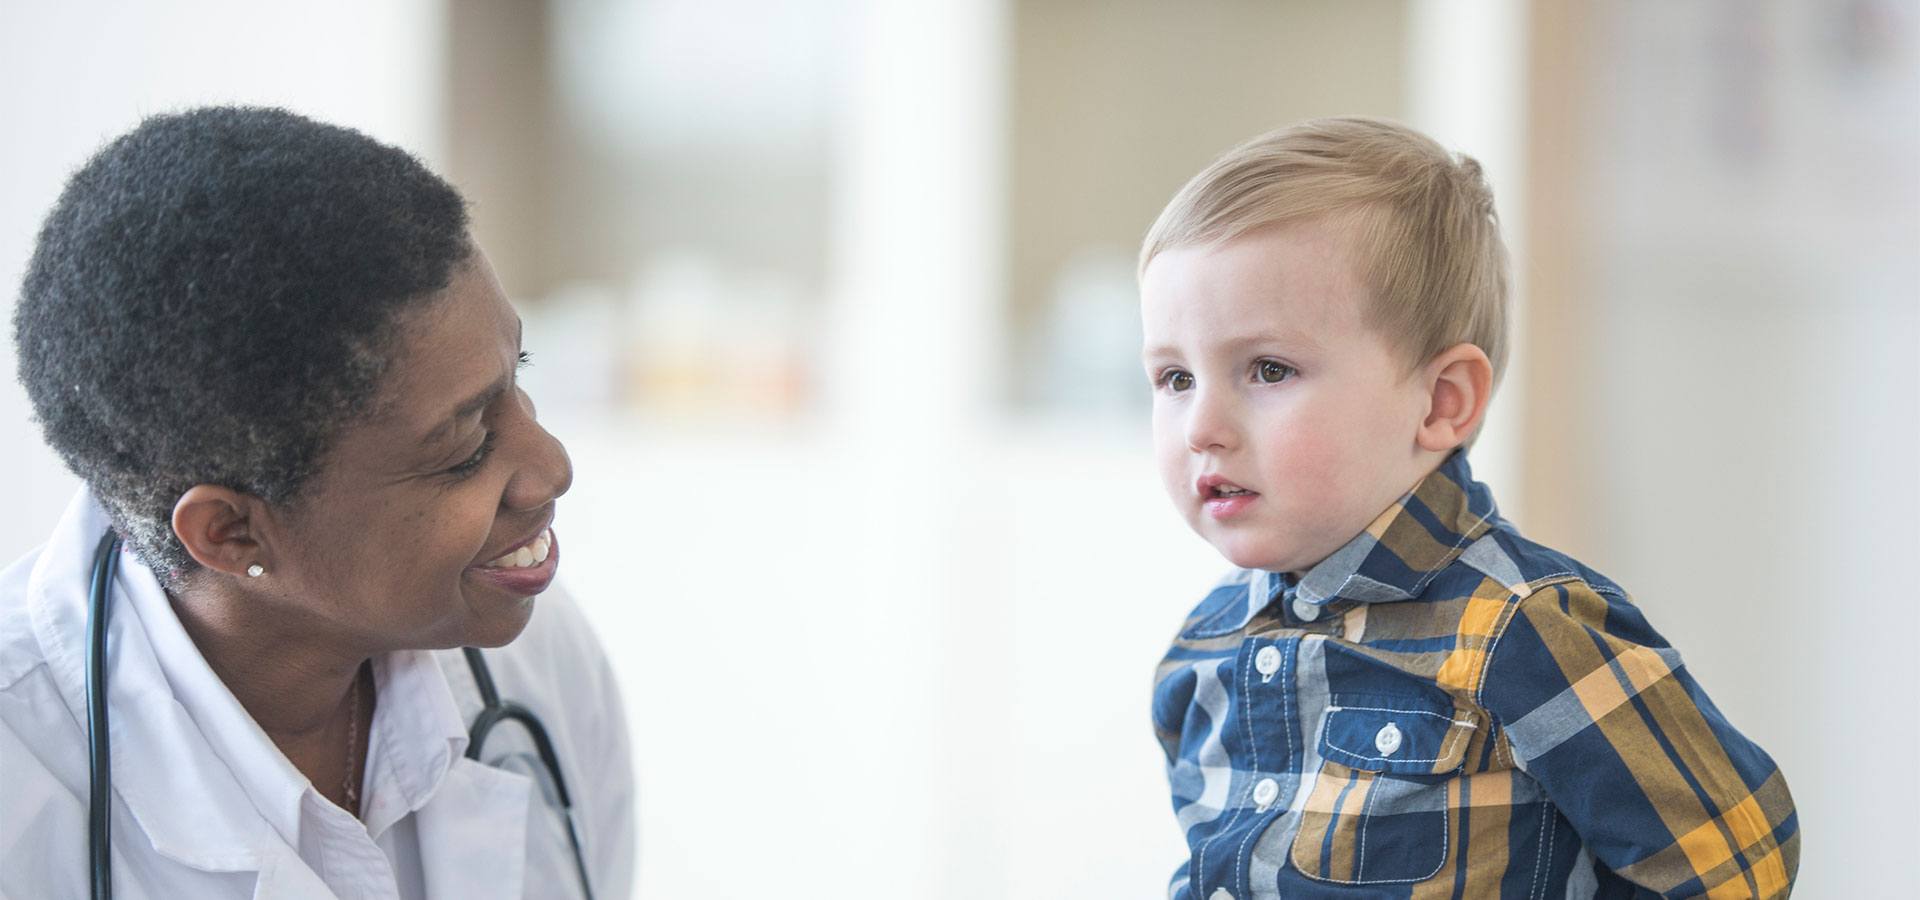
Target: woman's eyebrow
472,405
481,400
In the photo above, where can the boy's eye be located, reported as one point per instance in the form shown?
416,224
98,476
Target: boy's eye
1272,371
1176,380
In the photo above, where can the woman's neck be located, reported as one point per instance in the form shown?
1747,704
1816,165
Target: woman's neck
299,687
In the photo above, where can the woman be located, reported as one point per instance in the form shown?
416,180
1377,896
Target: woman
286,376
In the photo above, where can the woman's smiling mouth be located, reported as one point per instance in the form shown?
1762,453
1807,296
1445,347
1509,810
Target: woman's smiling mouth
525,570
530,553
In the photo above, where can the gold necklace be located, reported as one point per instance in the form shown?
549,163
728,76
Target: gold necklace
350,784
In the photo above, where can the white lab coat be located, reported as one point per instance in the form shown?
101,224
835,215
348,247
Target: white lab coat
204,806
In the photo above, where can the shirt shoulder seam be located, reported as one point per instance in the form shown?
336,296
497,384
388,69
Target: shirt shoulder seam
1517,596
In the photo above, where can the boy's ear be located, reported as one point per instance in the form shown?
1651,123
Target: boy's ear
1459,383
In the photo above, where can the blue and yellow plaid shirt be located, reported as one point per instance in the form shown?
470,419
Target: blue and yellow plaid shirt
1445,709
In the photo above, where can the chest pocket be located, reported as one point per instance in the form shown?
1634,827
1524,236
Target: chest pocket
1380,808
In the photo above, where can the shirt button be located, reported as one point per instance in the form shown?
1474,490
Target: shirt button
1267,661
1388,740
1306,611
1220,894
1266,792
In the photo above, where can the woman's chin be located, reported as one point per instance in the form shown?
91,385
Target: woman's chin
500,626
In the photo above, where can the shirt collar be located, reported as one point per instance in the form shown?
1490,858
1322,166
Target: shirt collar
1406,545
418,734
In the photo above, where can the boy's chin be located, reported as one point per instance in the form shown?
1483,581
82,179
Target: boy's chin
1248,555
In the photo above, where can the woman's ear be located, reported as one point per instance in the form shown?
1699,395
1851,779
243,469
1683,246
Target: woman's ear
1459,383
217,527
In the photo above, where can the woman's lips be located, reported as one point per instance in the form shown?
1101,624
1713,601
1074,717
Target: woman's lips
525,580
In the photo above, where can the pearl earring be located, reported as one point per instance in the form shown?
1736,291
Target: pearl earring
255,571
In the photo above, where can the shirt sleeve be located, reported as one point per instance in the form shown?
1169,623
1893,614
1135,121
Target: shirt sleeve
1662,789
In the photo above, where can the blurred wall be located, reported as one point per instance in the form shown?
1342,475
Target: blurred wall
75,74
1726,397
1113,106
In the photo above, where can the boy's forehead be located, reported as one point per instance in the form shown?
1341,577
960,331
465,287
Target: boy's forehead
1295,279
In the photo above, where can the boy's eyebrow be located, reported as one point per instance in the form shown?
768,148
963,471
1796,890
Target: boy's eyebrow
1285,338
1244,341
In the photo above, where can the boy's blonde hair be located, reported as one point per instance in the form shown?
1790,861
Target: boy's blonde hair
1421,219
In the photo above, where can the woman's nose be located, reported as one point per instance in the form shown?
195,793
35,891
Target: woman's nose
546,472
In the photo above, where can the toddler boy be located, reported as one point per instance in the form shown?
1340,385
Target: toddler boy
1397,695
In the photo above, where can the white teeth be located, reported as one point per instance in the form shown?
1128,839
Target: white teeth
530,554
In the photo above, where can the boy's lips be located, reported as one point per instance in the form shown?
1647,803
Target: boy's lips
1223,499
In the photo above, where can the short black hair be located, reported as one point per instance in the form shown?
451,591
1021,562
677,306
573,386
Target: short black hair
214,296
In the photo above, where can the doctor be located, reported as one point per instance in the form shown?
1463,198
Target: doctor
286,375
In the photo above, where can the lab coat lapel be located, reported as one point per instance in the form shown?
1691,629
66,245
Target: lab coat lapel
473,835
181,794
283,876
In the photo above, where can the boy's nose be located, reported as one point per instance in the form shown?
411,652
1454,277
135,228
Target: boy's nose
1211,424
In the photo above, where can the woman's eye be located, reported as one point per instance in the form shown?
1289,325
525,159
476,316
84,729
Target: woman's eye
1271,371
1176,380
472,463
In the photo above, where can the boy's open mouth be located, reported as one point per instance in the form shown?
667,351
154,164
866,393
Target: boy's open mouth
1223,498
1217,486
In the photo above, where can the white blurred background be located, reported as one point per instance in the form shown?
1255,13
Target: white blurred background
832,302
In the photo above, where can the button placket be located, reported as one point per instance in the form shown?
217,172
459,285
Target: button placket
1264,793
1267,662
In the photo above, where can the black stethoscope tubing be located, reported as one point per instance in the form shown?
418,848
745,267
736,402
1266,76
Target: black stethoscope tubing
106,561
493,711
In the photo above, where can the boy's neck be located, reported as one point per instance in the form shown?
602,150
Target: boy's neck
1425,465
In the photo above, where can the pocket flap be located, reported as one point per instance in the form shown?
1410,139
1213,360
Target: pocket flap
1401,735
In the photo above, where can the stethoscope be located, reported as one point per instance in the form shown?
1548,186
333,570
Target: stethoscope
493,711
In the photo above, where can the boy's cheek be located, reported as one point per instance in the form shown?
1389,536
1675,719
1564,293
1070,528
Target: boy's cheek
1170,454
1301,457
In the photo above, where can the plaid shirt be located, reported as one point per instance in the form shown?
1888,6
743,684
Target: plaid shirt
1444,709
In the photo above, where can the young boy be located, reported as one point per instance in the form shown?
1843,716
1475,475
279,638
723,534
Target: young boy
1397,695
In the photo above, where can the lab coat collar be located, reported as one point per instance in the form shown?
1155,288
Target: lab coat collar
165,700
171,780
